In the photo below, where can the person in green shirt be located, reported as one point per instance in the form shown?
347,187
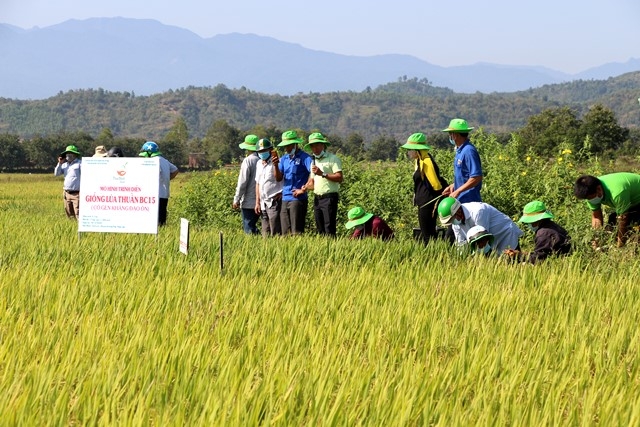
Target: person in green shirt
324,180
619,191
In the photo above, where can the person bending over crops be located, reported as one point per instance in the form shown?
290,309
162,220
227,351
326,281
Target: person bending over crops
619,191
550,238
368,224
463,216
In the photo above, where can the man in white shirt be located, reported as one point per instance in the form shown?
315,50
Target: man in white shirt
268,189
168,171
463,216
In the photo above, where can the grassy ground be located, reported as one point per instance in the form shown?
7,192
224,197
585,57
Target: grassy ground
124,329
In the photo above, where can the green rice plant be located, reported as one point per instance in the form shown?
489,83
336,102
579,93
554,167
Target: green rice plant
123,329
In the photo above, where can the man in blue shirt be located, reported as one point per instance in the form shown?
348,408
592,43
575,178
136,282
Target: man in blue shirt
294,167
467,169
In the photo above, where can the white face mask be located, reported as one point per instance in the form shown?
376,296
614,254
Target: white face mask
456,221
532,228
452,141
318,156
292,152
595,200
70,157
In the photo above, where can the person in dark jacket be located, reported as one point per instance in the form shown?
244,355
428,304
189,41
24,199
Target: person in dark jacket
428,184
550,238
368,224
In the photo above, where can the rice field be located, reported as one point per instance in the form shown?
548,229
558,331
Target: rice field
112,329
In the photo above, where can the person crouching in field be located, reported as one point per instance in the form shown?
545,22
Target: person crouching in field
368,224
464,216
550,238
168,171
69,164
480,241
620,191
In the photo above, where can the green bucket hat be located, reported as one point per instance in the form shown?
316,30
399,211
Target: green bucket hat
417,141
357,216
249,143
534,212
70,149
316,138
290,137
458,126
263,144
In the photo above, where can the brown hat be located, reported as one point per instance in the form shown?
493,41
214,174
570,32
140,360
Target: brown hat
100,151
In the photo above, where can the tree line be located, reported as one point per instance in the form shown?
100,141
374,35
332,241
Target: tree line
597,132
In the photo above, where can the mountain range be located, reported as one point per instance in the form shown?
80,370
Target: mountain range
146,57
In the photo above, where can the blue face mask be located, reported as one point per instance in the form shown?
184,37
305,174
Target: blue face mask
264,155
486,249
451,141
292,152
532,228
456,221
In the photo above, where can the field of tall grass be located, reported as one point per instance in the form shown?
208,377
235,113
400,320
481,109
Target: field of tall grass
124,329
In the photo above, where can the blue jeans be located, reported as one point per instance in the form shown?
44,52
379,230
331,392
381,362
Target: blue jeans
249,221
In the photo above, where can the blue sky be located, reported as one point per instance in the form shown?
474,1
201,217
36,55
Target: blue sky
565,35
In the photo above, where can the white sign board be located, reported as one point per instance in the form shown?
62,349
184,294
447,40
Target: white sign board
119,195
184,236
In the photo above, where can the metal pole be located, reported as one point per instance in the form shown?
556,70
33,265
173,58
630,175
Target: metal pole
221,253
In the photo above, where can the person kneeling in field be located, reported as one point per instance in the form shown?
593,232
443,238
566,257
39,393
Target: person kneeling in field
368,224
464,216
550,239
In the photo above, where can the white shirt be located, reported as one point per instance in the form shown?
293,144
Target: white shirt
266,179
166,169
505,232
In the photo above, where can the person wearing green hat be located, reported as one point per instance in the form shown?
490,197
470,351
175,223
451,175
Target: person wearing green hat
268,189
294,168
464,216
324,180
467,168
69,165
367,224
245,195
550,238
428,184
168,171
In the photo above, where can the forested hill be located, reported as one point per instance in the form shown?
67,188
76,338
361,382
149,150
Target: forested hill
394,109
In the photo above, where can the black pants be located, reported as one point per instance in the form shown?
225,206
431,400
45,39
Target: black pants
162,211
293,216
325,212
427,222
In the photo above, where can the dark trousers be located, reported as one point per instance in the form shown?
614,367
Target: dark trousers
271,219
162,211
293,216
427,222
250,220
325,212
